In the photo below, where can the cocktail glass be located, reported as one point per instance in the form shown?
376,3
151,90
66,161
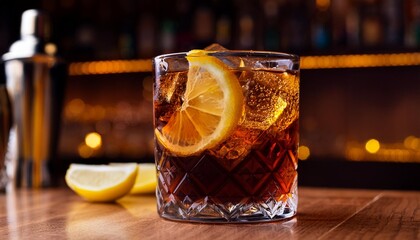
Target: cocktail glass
226,135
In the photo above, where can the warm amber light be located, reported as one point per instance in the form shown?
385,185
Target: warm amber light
360,60
372,146
307,62
110,67
50,49
323,4
75,108
412,142
98,112
84,151
372,150
303,152
355,154
93,140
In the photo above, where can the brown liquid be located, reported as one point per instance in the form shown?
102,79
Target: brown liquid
267,172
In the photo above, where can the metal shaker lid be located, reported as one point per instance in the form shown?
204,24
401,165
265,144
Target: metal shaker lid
34,34
35,24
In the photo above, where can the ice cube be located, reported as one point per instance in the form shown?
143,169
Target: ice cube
239,144
171,85
223,54
265,98
215,47
168,95
290,91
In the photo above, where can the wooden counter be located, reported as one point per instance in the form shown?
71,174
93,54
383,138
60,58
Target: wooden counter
322,214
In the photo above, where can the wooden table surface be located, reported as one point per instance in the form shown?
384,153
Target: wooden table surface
322,214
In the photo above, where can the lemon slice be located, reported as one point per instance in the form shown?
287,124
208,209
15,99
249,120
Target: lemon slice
101,183
146,179
212,107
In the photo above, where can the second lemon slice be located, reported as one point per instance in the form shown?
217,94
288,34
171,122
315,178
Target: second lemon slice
146,179
212,107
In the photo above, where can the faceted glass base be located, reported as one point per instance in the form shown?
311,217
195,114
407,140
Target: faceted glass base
208,211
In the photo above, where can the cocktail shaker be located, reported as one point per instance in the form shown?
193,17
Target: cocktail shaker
35,80
5,124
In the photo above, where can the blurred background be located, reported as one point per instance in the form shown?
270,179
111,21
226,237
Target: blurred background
360,78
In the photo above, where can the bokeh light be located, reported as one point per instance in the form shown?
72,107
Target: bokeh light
304,152
372,146
93,140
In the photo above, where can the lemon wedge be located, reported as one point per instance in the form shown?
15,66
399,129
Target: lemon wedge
212,107
101,183
146,179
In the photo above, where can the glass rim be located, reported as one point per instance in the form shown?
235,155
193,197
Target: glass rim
236,53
